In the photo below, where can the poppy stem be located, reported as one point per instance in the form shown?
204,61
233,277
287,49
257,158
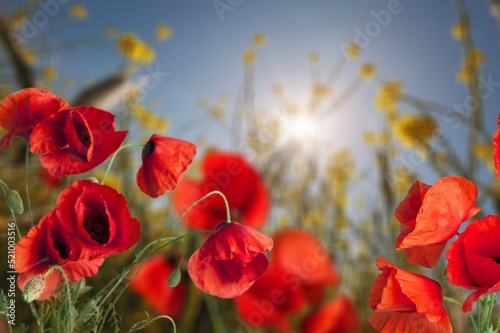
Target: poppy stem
452,300
26,173
15,222
226,203
114,156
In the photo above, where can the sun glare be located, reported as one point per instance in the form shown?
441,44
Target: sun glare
302,129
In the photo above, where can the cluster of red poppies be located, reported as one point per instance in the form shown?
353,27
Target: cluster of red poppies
430,216
91,221
300,273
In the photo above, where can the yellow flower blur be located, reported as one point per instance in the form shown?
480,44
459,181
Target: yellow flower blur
414,129
249,57
387,97
49,73
259,39
459,30
163,32
352,51
79,11
367,71
313,58
133,48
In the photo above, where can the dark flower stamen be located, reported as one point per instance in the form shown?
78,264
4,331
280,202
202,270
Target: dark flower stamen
148,149
83,134
98,228
63,252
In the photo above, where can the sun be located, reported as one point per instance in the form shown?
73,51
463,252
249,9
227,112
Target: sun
302,129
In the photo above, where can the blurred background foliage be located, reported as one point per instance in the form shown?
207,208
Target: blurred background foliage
312,186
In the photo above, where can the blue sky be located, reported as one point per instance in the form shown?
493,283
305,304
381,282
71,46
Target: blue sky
203,57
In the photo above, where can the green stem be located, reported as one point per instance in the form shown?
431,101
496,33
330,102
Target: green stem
148,322
476,330
26,175
213,309
228,211
15,222
114,156
452,300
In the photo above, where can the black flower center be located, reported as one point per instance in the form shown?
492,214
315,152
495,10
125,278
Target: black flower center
98,228
148,149
497,260
63,252
82,133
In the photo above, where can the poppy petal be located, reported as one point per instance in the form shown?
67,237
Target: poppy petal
164,161
21,111
445,206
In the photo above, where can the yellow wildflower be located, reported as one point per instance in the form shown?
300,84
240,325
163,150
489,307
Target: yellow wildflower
368,138
314,219
134,48
259,40
321,91
476,58
147,54
413,129
17,18
217,112
249,57
352,51
463,75
79,11
147,119
313,58
163,32
459,30
28,56
49,73
484,152
387,98
367,71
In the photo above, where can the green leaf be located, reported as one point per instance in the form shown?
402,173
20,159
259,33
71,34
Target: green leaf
14,201
174,278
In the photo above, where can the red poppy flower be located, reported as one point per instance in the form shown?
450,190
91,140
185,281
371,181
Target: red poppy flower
297,276
48,244
151,283
97,217
337,316
231,174
230,260
75,140
406,302
431,215
473,259
164,161
496,147
21,111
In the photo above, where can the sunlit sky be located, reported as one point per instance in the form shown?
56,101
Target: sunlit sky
204,56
